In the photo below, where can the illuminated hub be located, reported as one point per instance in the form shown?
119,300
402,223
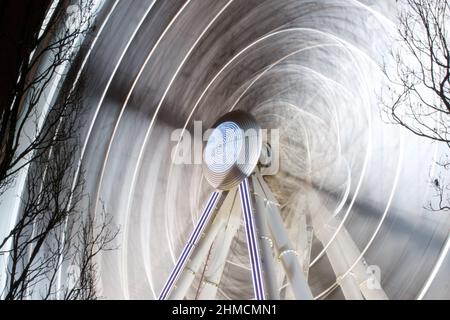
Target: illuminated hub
223,147
232,150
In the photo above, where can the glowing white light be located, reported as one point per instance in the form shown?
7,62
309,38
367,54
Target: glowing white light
224,147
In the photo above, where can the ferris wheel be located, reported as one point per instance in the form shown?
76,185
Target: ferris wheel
234,165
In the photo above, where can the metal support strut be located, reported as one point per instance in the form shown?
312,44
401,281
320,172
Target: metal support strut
252,242
265,235
188,248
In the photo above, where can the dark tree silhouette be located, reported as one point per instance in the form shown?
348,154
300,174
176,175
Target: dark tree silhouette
44,56
53,235
52,249
418,92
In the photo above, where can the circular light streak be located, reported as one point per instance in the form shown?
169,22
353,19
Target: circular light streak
232,150
223,147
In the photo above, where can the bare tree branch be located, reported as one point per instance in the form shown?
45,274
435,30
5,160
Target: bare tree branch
417,96
53,247
45,57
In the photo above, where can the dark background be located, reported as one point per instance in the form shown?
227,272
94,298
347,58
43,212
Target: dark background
19,20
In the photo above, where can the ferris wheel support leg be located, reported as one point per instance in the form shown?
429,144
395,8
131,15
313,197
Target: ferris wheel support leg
199,256
172,282
252,241
221,247
287,255
265,240
343,254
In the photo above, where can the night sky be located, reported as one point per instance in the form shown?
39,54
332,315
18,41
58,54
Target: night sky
19,19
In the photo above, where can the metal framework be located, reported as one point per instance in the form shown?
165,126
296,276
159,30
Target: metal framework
267,243
243,195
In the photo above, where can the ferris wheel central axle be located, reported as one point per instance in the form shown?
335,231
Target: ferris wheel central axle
231,156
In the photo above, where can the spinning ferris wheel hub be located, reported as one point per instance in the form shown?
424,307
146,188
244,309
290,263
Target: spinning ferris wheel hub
232,150
231,156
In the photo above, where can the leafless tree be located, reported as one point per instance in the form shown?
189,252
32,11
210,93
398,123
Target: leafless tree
21,138
419,96
54,245
92,238
418,93
53,232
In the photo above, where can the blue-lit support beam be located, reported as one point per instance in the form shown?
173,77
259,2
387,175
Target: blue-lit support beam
190,245
252,243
